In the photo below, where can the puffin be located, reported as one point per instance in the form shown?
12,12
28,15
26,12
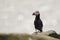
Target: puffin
37,22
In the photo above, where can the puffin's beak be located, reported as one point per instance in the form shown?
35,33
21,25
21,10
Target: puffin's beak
33,14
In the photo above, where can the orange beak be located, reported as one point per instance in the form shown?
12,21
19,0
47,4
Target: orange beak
33,14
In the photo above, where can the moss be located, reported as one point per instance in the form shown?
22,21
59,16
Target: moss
11,37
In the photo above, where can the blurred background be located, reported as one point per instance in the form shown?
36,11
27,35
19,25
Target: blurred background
16,15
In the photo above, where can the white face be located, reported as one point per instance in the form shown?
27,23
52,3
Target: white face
36,13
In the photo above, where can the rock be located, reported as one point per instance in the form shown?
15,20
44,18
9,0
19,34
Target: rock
49,35
43,37
48,32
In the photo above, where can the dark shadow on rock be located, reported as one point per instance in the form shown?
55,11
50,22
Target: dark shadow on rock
55,35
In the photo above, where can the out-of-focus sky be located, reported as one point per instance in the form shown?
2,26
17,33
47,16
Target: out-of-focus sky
16,15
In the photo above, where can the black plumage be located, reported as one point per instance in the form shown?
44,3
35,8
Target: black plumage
38,22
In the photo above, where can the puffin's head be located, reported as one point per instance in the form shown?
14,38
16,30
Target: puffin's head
36,13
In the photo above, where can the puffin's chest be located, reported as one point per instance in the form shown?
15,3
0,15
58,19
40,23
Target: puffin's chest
37,22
